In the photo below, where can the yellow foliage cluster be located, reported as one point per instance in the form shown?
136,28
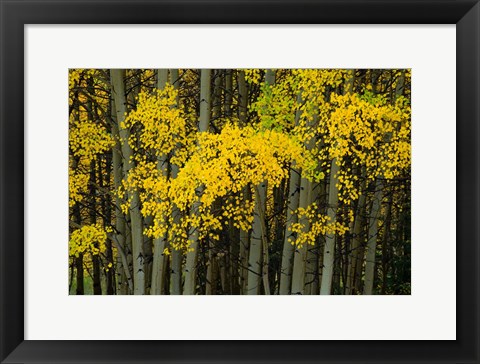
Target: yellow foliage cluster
77,186
298,93
253,75
75,75
236,158
88,239
276,106
88,139
218,166
356,131
154,191
312,224
367,132
162,123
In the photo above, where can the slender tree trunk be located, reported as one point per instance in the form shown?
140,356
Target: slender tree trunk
321,239
288,247
177,255
123,277
216,104
312,283
255,263
148,254
244,235
265,258
258,259
300,256
372,239
158,265
224,276
107,213
228,93
242,98
162,78
385,243
234,256
117,77
176,272
329,250
80,290
160,243
279,210
321,245
358,238
205,100
97,287
244,250
205,108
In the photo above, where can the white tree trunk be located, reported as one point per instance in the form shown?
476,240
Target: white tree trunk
205,109
255,261
118,88
300,256
122,270
329,250
162,78
288,247
258,259
160,243
244,251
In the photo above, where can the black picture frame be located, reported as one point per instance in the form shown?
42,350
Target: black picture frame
16,13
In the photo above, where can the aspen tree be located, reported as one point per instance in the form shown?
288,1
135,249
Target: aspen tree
160,243
292,218
244,234
258,258
372,239
300,256
288,247
118,88
203,124
177,255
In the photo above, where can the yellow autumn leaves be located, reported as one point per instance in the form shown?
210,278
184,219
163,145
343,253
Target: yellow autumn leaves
304,121
162,124
213,166
88,239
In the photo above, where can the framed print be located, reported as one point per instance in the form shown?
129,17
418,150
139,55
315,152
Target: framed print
172,134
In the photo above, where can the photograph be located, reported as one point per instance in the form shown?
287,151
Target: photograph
239,182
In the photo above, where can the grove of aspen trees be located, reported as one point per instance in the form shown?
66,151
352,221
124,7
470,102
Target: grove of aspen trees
239,181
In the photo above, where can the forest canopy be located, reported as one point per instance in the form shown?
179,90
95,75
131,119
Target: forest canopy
239,181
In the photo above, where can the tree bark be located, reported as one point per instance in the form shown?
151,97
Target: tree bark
160,243
300,256
203,123
255,261
355,256
123,277
258,259
242,98
372,239
329,250
118,88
